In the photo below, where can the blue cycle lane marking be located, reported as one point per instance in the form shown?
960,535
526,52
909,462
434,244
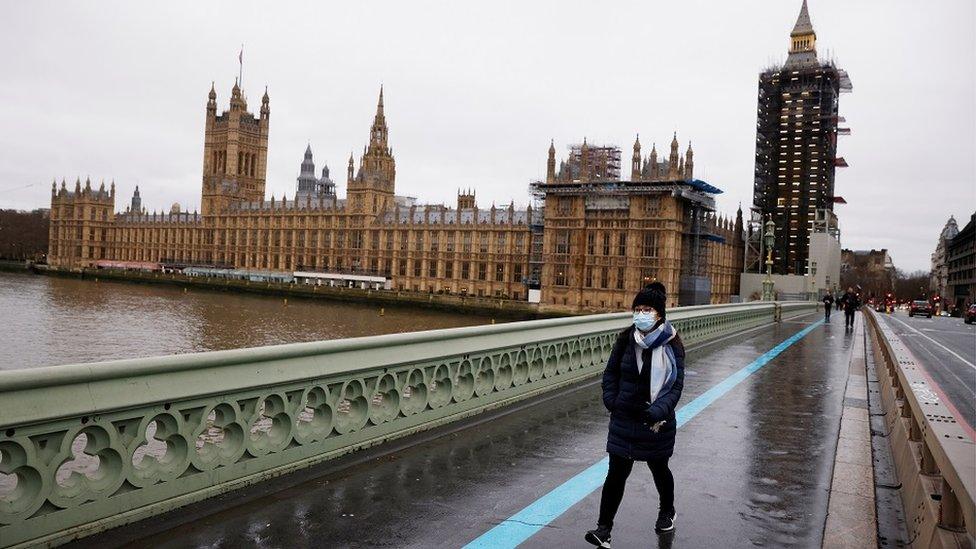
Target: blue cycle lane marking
540,513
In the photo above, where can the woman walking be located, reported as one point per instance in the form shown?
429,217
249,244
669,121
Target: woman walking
641,387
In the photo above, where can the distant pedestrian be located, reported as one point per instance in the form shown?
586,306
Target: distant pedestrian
851,303
828,302
641,387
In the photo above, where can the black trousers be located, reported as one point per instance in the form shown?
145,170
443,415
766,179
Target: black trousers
849,319
613,487
827,313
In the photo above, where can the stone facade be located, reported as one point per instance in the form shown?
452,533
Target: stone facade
961,262
458,249
604,238
873,270
939,274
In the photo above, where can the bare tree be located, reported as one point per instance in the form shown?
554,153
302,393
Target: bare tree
23,235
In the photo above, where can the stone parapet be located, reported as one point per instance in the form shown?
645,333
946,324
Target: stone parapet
168,431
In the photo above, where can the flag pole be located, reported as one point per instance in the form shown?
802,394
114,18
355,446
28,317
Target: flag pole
240,59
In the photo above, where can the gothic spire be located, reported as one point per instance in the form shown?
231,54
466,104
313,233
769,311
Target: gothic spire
803,25
551,163
635,163
378,133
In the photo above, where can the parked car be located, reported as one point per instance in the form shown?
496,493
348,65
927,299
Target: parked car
920,307
971,314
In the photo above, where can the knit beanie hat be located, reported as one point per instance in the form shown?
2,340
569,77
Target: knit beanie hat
653,295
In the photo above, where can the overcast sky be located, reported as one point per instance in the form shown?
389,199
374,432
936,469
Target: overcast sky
475,91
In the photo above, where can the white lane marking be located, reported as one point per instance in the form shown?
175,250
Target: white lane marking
944,331
953,353
938,360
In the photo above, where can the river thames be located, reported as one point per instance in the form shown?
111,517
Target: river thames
50,320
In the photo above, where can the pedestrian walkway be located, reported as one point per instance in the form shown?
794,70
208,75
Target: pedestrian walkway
753,466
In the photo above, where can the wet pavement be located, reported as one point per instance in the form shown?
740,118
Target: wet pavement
752,469
946,347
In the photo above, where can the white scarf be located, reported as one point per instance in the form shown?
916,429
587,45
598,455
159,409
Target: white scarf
660,365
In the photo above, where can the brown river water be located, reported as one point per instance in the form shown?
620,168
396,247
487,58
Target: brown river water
47,320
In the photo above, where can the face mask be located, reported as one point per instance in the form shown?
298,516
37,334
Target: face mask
645,321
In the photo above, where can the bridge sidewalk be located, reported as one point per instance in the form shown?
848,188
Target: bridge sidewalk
752,468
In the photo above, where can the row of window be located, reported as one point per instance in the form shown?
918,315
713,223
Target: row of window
598,277
247,163
603,243
652,205
483,241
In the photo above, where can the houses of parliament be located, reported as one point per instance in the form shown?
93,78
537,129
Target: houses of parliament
592,239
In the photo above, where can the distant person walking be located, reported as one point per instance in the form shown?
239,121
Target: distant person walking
851,302
828,302
641,387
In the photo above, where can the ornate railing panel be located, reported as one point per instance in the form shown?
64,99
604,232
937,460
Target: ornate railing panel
86,447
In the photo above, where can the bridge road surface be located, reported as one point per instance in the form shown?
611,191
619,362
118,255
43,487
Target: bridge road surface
946,347
752,469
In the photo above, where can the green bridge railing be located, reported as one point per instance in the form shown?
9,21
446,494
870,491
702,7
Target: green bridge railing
87,447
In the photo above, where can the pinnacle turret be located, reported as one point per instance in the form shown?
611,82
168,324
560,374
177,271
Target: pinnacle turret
551,163
635,164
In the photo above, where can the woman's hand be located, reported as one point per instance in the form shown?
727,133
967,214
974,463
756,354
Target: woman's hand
648,419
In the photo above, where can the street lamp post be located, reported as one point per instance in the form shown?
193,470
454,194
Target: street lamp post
767,284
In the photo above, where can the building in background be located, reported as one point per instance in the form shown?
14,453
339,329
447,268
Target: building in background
961,262
599,240
424,248
587,163
825,254
235,153
939,275
796,147
604,237
872,270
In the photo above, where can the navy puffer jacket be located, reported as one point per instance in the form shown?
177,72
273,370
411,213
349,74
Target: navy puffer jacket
626,393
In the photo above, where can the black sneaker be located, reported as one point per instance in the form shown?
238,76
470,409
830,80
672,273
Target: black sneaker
599,537
665,521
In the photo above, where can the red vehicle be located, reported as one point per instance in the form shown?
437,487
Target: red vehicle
920,307
971,314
